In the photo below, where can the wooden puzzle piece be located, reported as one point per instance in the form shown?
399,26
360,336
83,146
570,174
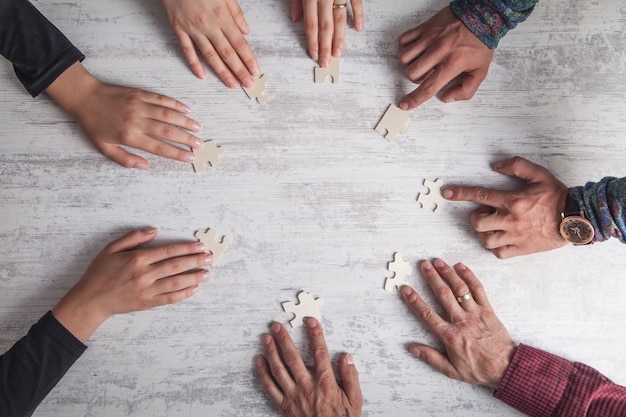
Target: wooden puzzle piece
393,121
208,238
332,70
433,198
257,91
401,269
307,307
210,153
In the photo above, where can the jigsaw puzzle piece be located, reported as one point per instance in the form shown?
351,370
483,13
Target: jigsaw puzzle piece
257,91
332,70
433,199
208,238
308,306
393,121
401,270
210,153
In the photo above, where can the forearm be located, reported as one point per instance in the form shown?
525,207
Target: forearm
604,204
38,50
538,383
490,20
34,365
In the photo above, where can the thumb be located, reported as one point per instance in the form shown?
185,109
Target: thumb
350,379
131,240
465,90
523,169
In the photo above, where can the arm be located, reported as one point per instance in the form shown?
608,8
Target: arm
538,383
325,25
121,279
302,392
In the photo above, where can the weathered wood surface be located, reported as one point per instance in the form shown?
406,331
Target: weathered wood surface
314,199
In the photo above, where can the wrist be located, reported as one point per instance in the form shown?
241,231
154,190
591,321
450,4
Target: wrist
81,318
72,88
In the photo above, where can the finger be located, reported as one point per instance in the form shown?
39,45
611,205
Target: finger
170,103
189,51
459,287
430,85
174,266
468,84
476,287
410,36
277,366
296,9
238,17
232,48
267,380
175,283
160,148
165,127
422,310
510,251
410,52
131,240
174,297
358,14
480,195
524,169
495,239
441,288
487,219
325,14
340,19
311,28
435,359
242,48
120,155
350,379
215,61
172,251
321,356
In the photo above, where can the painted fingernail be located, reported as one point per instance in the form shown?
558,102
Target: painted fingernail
447,193
427,266
196,127
195,289
205,276
415,351
198,143
439,263
403,106
141,165
188,156
406,290
311,323
267,339
349,360
199,248
208,259
276,328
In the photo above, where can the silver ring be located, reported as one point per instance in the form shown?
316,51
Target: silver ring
462,298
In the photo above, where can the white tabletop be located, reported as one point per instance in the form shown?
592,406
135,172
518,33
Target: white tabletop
314,199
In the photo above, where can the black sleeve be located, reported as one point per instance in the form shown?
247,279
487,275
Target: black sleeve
34,365
38,50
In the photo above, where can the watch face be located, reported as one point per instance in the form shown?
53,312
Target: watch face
577,230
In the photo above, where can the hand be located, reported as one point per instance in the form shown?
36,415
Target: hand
478,347
216,28
123,278
111,116
513,223
438,51
300,392
325,26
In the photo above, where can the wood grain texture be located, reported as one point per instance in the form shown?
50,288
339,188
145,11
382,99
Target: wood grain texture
314,200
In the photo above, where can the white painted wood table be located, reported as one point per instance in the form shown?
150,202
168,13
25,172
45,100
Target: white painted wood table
314,200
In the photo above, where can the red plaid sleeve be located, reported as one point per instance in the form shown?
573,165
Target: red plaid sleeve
539,383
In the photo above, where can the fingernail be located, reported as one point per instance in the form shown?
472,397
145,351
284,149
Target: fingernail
311,323
315,55
415,351
208,259
276,328
198,143
186,109
196,127
498,165
439,263
403,106
231,83
256,71
461,266
205,276
337,52
188,156
141,165
447,193
248,82
267,339
195,289
349,360
199,248
427,266
150,230
450,100
324,63
259,361
406,290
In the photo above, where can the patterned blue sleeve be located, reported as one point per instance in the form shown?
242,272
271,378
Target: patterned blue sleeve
604,203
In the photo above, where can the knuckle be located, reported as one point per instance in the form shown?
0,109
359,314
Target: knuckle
240,44
481,194
227,52
426,314
326,383
445,293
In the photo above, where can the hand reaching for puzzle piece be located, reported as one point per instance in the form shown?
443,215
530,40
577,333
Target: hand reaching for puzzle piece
307,307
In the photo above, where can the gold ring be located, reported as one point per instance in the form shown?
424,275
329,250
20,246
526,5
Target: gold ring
340,6
463,298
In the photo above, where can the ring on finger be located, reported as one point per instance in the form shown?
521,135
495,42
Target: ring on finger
462,298
339,6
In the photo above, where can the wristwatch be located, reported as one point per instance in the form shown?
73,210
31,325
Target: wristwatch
574,227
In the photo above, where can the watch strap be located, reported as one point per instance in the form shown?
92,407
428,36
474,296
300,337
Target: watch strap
572,208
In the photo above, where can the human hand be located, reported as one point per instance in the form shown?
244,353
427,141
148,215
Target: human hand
514,223
216,28
478,347
436,52
325,25
124,278
300,392
112,116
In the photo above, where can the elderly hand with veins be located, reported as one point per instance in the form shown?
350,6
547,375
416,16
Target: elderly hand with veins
302,392
215,29
438,51
478,348
514,223
111,116
325,25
